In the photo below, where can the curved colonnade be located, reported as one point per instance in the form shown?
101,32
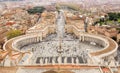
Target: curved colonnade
110,46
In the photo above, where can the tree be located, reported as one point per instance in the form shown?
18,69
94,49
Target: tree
113,16
57,7
35,10
13,33
119,15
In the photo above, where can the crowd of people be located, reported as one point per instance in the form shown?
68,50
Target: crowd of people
71,47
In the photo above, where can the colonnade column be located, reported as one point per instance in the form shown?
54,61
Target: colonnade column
53,61
77,61
46,61
59,59
82,37
72,60
41,61
65,60
40,36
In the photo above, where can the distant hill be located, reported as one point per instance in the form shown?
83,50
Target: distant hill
77,1
83,2
10,0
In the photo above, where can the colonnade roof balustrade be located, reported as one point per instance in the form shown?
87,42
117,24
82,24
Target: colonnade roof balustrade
111,48
101,53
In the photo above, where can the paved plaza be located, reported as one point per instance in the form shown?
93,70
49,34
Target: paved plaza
73,49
